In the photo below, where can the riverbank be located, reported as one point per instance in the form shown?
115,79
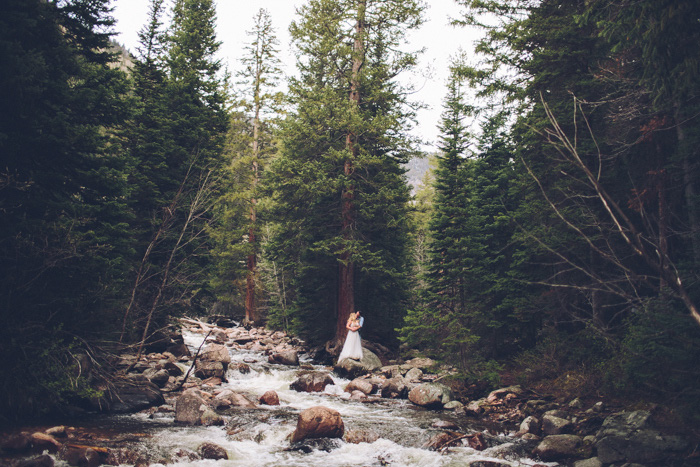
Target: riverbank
224,394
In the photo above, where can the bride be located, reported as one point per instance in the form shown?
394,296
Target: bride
353,345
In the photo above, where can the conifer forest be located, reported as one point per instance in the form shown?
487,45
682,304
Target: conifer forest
555,239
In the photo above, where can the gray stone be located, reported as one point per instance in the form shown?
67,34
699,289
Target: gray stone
629,436
353,368
453,405
394,388
556,447
430,395
592,462
190,407
311,381
413,375
530,424
361,384
553,425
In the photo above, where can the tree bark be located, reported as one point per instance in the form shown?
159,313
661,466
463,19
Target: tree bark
346,266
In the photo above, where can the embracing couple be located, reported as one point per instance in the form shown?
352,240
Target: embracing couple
353,345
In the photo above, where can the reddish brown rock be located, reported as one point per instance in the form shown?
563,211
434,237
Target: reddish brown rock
318,422
270,398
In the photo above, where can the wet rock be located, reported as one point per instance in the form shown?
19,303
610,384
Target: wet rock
553,425
475,408
315,444
212,451
16,443
270,398
444,425
311,381
212,382
629,436
209,369
592,462
557,447
357,436
83,456
216,353
190,407
131,395
395,388
228,398
504,395
240,367
422,363
430,395
413,375
184,454
442,440
40,461
358,395
42,441
179,350
353,368
57,431
363,385
157,377
488,464
290,358
318,422
453,405
530,424
211,418
391,371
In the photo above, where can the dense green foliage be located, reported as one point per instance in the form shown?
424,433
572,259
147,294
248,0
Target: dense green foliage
578,219
317,170
559,231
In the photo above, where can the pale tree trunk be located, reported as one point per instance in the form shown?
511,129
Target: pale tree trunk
346,266
250,311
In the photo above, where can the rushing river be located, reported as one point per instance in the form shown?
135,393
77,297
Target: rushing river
258,437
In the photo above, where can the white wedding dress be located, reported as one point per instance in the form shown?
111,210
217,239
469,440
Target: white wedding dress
352,347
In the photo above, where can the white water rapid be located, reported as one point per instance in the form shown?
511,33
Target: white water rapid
259,436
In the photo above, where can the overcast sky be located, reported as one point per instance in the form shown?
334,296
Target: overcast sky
235,17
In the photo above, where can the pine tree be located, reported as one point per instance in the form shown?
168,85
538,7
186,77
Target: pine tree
338,185
64,241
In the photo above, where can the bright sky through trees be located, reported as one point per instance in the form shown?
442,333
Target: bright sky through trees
439,39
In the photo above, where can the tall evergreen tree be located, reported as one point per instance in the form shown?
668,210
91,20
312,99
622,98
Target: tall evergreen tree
338,185
177,142
63,232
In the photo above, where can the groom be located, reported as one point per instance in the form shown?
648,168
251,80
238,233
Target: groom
360,318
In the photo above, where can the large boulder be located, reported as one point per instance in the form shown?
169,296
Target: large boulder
270,398
228,398
363,385
131,394
216,353
311,381
557,447
190,407
353,368
208,369
318,422
158,377
395,388
554,425
430,395
630,437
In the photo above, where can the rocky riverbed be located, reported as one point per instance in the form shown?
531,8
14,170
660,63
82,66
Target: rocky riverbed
249,396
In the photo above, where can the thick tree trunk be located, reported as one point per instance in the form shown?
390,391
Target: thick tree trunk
346,267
